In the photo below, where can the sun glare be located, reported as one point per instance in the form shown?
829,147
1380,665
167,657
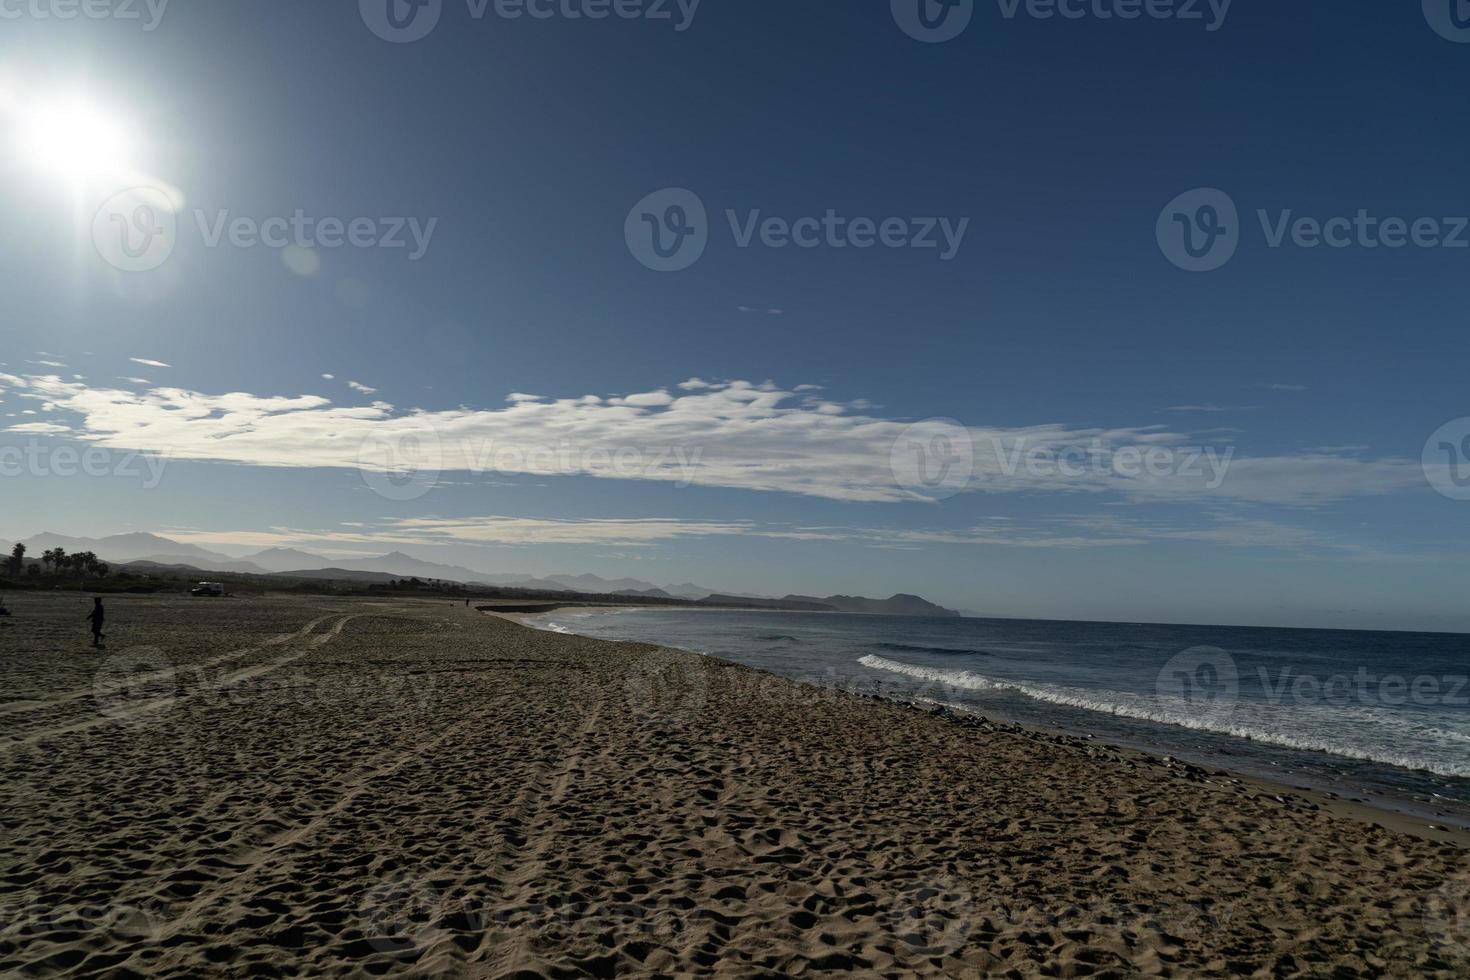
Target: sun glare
75,139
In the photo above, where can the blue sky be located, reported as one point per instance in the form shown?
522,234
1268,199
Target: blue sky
520,146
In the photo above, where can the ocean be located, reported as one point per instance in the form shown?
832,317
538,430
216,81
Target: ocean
1378,717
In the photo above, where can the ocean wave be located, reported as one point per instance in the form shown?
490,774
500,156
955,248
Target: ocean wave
1261,723
914,648
777,638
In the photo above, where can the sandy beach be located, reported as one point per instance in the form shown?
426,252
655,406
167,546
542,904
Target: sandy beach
302,785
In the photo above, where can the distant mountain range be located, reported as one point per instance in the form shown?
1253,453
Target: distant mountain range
155,552
898,605
143,547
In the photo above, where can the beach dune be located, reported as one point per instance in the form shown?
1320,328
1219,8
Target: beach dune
285,785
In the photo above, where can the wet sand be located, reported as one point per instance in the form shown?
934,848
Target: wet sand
285,785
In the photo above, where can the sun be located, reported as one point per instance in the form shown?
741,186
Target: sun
74,138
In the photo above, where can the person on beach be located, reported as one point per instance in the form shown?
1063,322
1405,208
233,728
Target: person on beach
95,617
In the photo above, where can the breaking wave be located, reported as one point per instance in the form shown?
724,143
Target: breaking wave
1364,733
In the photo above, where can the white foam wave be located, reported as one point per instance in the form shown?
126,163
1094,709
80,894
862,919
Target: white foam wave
1363,733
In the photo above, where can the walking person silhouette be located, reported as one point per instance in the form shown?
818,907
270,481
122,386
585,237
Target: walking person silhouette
95,617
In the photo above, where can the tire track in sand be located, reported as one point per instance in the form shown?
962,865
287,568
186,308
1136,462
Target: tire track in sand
82,692
493,955
159,704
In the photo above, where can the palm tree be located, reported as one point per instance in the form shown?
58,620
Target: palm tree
83,562
55,557
17,559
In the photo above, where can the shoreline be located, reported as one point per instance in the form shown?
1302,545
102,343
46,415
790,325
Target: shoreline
289,785
1415,825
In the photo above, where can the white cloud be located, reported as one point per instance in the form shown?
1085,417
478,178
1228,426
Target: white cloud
728,434
39,428
1069,532
649,399
359,386
146,362
330,377
136,381
520,530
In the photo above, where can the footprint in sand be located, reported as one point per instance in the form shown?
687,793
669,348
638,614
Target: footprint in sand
931,914
667,690
135,683
1447,915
